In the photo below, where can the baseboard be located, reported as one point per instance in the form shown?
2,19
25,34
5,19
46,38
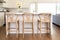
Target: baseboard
56,24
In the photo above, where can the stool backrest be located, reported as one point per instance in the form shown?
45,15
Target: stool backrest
45,16
11,16
28,17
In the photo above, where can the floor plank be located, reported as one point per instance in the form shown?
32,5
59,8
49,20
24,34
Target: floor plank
55,35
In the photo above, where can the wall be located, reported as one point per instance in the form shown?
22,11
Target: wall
10,3
25,3
48,1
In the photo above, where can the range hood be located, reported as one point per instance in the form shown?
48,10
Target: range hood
2,1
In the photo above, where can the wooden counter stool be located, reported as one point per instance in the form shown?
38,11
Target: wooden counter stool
44,18
12,18
27,18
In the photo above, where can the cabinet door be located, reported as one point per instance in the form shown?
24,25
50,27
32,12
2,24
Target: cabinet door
1,18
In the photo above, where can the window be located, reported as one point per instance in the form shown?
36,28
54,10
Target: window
47,8
43,8
53,8
58,8
32,7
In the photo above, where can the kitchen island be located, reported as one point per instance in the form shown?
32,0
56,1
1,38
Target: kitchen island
35,18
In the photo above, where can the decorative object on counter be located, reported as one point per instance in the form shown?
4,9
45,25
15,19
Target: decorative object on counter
19,6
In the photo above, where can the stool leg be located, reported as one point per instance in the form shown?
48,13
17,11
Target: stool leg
23,29
37,27
33,30
6,30
40,28
48,28
17,29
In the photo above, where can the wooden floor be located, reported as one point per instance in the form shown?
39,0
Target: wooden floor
55,35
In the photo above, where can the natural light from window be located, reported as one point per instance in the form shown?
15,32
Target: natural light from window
47,8
53,8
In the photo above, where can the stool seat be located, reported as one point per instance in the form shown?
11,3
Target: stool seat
47,20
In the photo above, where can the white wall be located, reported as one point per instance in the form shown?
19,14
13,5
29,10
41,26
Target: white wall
48,0
25,3
10,3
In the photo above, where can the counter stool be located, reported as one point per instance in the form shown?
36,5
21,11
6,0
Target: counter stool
44,18
27,18
12,18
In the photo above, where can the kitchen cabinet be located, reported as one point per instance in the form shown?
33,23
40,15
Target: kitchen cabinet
1,18
56,19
